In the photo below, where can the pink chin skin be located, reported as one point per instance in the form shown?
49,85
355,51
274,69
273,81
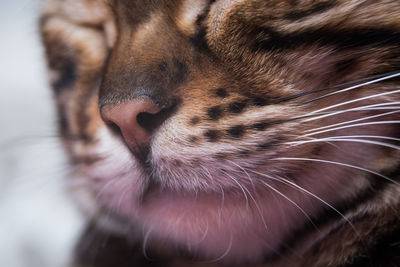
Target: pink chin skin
207,225
226,228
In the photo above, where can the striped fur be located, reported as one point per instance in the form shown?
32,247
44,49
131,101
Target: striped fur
279,139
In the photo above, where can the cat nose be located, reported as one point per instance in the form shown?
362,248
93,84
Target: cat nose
134,119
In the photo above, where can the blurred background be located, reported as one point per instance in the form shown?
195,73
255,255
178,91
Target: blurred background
38,221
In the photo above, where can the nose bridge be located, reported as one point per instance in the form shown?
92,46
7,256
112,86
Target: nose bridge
146,62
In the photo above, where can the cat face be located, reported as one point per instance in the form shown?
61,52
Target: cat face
227,127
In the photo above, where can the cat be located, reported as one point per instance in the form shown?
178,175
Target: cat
230,132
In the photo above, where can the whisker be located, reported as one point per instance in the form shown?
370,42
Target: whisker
347,140
353,87
341,164
360,108
251,196
203,237
229,248
353,101
222,189
294,96
247,201
245,172
351,121
383,108
308,138
144,245
222,197
288,182
320,115
351,126
240,186
370,136
291,201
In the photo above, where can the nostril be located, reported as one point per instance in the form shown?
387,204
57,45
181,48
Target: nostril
151,122
148,121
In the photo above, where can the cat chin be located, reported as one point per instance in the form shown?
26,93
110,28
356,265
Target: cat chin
229,224
208,226
232,224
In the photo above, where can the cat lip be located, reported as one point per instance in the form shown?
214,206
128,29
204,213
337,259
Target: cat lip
153,187
141,154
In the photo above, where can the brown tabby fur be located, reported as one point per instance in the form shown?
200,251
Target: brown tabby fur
261,53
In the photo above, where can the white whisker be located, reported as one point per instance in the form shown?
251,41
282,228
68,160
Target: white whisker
335,139
225,253
351,126
356,120
203,236
357,86
254,200
240,186
245,172
341,164
369,136
144,245
291,201
288,182
361,108
222,203
353,101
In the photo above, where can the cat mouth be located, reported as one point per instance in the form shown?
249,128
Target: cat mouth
141,154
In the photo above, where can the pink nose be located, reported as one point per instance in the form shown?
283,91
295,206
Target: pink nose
135,119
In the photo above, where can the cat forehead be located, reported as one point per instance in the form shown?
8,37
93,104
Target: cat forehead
183,12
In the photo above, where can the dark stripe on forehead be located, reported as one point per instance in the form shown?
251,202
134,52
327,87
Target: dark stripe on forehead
315,9
199,39
271,40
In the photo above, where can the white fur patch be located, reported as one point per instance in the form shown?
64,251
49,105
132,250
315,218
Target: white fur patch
188,14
